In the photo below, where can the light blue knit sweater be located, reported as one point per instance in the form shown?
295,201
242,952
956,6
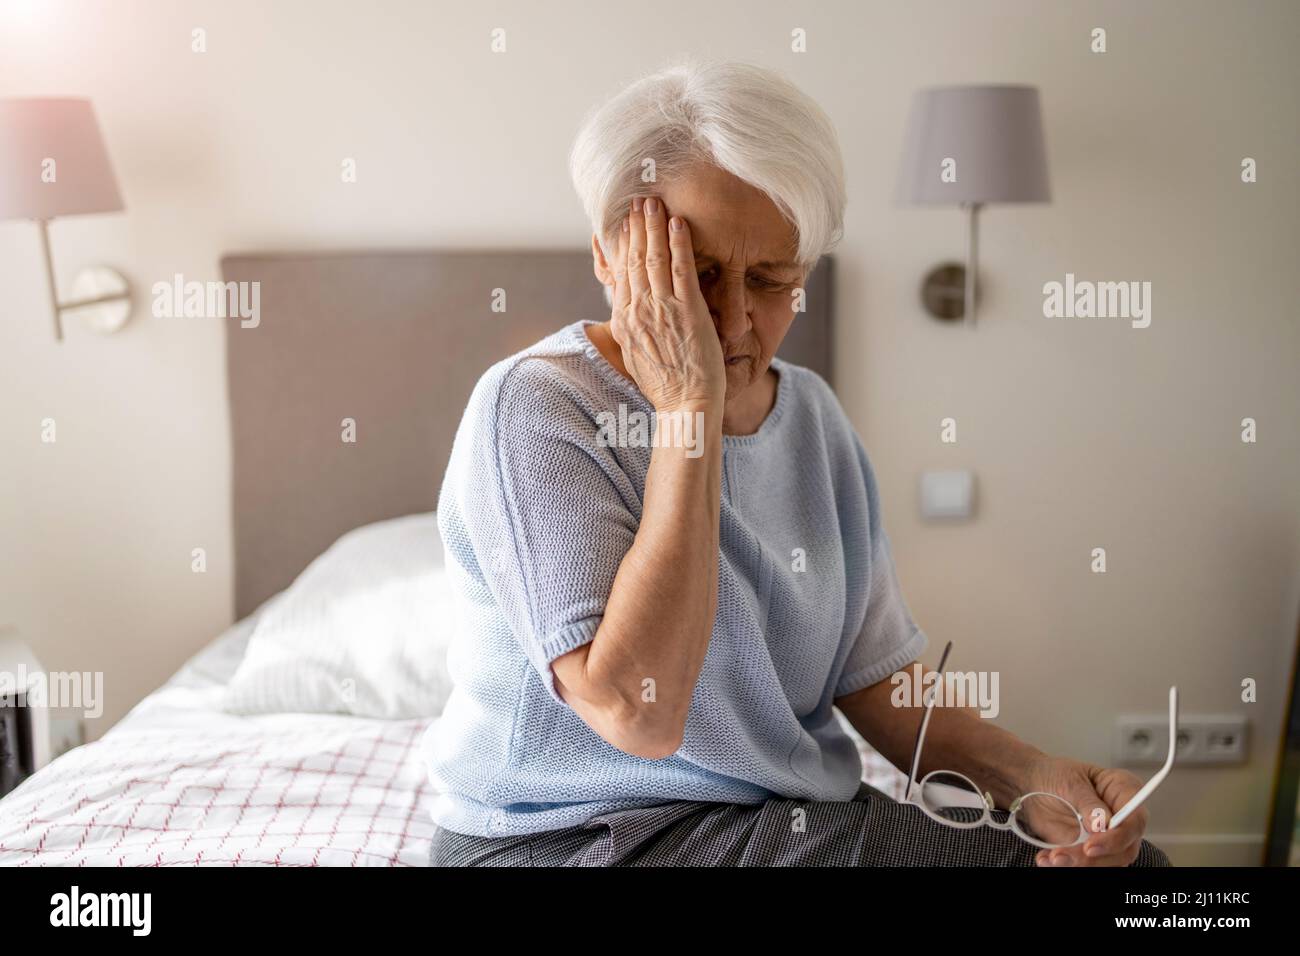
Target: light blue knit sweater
536,514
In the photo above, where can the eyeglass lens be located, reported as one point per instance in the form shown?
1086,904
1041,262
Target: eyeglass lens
1041,817
1047,818
952,797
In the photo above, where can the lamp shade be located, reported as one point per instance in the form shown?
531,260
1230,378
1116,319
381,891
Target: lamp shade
994,135
34,131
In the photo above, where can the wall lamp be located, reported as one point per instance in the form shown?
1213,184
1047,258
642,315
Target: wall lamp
53,163
970,146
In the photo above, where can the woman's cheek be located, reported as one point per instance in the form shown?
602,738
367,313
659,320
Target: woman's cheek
776,319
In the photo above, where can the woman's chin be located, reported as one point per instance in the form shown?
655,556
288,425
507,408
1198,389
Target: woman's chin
740,375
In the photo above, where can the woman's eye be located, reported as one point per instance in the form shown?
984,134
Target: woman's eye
760,282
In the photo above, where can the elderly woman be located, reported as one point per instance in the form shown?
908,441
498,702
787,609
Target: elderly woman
658,630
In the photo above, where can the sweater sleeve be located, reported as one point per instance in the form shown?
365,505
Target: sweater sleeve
535,512
889,638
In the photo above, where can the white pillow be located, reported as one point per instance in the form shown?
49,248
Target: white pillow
363,630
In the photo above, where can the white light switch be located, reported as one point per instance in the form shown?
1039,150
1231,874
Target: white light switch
947,494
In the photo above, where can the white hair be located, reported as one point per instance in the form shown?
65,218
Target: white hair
749,121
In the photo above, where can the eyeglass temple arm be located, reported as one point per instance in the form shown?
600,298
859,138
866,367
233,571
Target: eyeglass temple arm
925,722
1140,797
916,753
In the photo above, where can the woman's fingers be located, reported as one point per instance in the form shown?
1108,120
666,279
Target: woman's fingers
1116,847
1063,856
1109,842
1111,854
660,258
1069,857
1120,845
657,259
636,250
686,282
1116,859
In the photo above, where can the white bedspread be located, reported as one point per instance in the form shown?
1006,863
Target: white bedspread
180,782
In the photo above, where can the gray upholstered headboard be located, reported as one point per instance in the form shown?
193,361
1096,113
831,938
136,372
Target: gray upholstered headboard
394,341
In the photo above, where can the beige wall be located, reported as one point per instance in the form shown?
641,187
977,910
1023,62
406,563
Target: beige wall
1082,433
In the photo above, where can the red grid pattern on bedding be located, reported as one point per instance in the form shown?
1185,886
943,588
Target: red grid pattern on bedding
293,798
285,790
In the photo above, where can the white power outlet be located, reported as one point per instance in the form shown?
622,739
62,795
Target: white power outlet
1202,739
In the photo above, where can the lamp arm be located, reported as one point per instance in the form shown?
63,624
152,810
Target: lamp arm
49,278
972,259
97,300
57,307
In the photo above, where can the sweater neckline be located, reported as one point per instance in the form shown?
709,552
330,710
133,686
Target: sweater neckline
617,378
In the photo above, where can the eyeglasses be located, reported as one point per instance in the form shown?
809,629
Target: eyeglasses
1044,819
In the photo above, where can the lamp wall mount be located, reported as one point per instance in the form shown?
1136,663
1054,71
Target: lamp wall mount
947,289
103,296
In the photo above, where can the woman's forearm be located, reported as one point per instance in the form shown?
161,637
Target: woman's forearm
633,682
958,739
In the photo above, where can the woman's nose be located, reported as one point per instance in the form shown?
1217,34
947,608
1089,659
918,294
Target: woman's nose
729,305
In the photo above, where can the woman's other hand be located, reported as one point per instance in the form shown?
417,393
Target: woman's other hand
660,319
1097,793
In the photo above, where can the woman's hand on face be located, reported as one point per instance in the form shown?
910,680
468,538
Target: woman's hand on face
660,319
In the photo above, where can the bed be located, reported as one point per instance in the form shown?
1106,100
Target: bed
393,343
180,782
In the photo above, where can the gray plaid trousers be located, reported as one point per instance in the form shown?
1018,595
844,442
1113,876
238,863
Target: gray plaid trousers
869,830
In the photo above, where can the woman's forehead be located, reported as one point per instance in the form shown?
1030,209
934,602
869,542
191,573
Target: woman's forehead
731,220
728,226
734,240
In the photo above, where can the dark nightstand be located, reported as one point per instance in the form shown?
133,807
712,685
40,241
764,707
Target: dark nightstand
24,716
